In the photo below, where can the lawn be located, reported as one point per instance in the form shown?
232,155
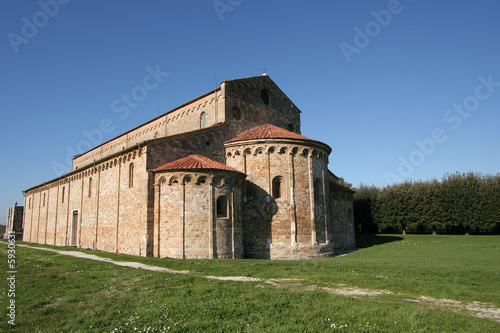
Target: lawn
57,293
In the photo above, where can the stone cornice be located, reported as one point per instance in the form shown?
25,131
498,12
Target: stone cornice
270,141
105,163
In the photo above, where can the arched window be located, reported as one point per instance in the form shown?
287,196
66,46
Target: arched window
278,187
222,207
264,95
131,175
317,190
203,120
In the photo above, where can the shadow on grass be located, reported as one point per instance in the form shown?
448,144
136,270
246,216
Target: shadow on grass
369,240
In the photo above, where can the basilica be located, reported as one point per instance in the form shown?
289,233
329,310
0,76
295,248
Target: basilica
225,175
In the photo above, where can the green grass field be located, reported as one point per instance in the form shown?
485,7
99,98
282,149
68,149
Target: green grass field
58,293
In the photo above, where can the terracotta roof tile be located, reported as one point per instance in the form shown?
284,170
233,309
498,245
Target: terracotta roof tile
269,132
194,162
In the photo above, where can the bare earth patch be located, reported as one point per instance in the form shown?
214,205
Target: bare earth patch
111,261
476,309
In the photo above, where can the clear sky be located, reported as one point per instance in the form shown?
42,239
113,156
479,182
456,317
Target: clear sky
399,89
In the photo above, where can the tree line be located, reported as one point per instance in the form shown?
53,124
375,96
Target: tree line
460,203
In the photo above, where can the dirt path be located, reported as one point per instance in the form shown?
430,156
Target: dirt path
476,309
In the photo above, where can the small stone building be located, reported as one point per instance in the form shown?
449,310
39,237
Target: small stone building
14,222
225,175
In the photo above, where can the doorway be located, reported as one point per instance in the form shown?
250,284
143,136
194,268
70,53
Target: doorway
74,228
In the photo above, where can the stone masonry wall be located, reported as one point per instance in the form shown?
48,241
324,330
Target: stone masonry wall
343,220
108,200
257,101
186,220
14,222
185,118
276,224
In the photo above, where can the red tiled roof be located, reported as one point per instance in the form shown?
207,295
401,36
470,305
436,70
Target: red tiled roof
194,162
269,132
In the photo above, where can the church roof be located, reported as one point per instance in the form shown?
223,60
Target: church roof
195,162
269,132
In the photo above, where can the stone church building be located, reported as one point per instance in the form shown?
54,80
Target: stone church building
225,175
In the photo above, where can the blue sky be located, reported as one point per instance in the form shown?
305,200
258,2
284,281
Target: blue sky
399,89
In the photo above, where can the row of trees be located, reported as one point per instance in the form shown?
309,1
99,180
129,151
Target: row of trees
459,203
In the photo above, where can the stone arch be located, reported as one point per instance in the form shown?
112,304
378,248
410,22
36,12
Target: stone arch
211,136
222,207
218,180
187,179
196,140
162,180
201,180
247,151
203,120
173,180
259,150
271,150
305,152
176,144
229,154
278,187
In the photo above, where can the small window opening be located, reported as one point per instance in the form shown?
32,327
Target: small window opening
90,187
236,113
131,175
264,95
277,188
222,207
203,120
62,196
